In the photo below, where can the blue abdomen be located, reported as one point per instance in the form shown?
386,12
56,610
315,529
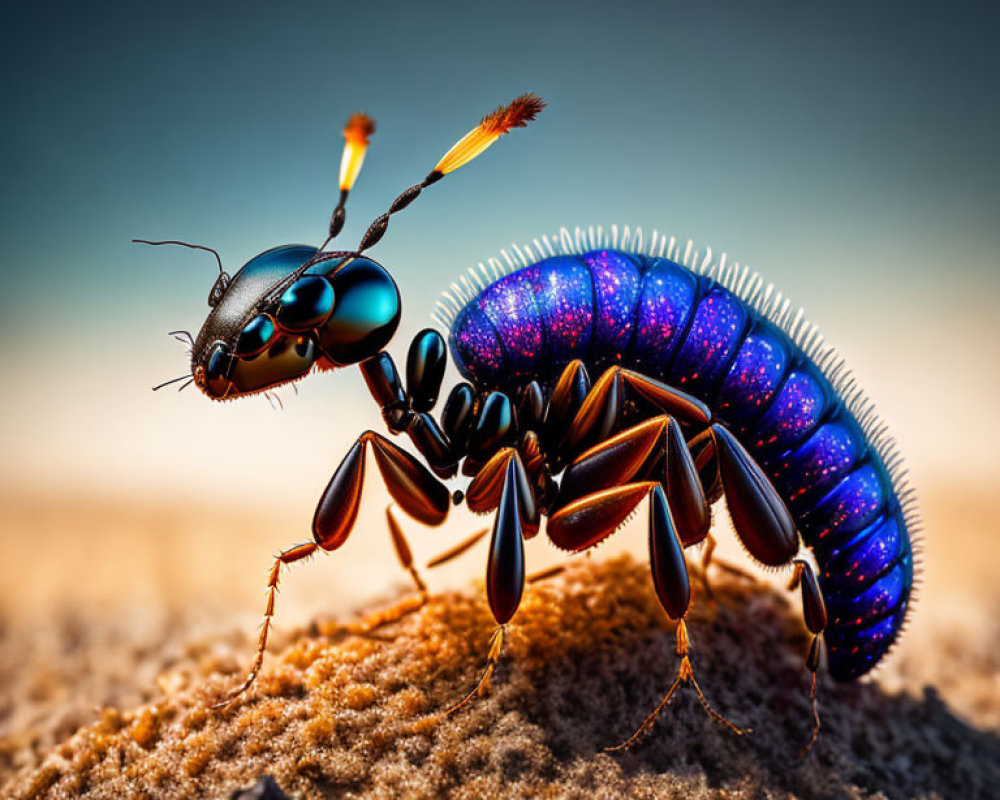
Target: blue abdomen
763,373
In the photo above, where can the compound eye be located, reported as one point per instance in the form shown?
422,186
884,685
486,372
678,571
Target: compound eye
217,369
306,304
256,336
219,363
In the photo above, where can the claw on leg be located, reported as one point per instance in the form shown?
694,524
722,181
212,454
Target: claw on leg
813,662
685,674
289,556
492,658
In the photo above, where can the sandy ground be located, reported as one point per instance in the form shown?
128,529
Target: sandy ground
111,607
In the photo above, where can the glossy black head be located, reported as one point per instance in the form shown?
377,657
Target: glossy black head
277,318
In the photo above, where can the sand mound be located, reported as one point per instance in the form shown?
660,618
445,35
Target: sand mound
590,653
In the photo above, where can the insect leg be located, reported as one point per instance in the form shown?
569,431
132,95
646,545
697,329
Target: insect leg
504,573
455,551
531,407
814,613
383,382
591,519
409,605
597,416
410,483
709,559
485,492
670,579
702,447
690,509
403,553
564,402
612,462
759,515
293,554
403,411
668,400
425,364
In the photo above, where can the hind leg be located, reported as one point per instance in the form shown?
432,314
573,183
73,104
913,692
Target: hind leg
814,614
670,578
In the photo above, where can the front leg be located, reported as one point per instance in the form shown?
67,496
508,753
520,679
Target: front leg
411,485
407,409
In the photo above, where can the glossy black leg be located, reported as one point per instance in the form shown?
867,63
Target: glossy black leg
410,483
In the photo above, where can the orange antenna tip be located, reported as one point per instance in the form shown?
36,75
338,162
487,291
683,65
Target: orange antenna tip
359,128
357,134
516,114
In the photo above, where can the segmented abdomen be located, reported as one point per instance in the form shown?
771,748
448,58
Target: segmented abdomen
763,374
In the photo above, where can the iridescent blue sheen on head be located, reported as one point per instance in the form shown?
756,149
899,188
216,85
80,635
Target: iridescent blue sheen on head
755,374
616,290
713,337
566,303
665,305
799,405
246,289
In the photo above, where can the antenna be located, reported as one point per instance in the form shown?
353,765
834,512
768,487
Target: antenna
187,244
516,114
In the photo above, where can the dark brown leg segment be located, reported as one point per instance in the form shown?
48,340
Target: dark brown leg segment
593,518
670,401
403,552
454,552
567,397
613,462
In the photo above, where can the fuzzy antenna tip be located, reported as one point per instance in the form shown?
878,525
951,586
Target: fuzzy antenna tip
516,114
357,135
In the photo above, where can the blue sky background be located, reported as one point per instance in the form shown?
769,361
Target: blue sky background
845,150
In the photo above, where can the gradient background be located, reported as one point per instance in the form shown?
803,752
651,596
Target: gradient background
847,151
